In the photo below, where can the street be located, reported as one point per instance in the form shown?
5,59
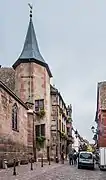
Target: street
53,172
71,173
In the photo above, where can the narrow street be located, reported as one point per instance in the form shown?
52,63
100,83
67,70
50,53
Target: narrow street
65,172
53,172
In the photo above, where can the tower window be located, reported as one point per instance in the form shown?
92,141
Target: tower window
14,117
39,104
40,130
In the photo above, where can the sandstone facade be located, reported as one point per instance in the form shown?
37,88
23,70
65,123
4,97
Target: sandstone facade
14,131
36,84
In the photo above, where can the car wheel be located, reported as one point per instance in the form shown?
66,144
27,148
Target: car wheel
101,169
79,167
93,168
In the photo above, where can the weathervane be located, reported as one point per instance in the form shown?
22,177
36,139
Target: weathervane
30,9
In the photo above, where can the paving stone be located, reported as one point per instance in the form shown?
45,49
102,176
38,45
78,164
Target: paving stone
52,172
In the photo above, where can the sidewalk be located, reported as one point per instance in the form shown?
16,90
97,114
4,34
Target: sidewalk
24,172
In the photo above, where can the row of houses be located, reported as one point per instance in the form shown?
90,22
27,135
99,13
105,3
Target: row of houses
33,113
79,142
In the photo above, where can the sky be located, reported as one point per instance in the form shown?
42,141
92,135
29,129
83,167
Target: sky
72,39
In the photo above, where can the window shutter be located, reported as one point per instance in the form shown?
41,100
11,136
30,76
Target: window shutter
37,130
42,129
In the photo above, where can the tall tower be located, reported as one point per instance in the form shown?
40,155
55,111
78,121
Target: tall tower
32,75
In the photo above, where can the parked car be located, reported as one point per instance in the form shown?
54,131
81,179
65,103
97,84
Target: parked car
86,159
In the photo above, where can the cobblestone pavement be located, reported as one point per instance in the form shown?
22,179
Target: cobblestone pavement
53,172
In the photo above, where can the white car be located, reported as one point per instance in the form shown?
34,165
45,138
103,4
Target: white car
86,159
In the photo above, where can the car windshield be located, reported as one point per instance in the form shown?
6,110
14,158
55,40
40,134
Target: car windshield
86,156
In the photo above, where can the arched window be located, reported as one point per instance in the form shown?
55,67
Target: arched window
14,117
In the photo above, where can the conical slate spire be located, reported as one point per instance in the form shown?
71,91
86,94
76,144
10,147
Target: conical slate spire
30,52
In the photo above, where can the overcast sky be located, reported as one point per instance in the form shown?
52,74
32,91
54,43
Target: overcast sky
72,38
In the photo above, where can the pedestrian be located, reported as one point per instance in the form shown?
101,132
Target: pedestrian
75,158
62,157
70,158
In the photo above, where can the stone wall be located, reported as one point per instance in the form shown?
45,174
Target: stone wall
41,90
12,143
38,86
48,106
54,118
102,128
22,81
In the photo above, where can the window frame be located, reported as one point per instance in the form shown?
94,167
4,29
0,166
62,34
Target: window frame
15,117
39,108
40,130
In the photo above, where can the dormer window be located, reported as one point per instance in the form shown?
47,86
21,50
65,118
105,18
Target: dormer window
39,105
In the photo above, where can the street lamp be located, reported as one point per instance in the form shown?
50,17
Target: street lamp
76,133
93,128
96,132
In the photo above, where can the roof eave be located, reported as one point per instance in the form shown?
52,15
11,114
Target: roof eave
19,61
62,99
7,89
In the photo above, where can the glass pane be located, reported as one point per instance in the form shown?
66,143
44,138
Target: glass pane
86,156
36,105
37,130
13,118
42,129
41,104
16,120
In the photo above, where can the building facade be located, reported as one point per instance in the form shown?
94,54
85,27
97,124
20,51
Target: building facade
61,123
32,112
16,127
77,142
100,134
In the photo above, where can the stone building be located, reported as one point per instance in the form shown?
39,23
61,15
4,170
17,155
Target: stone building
61,123
29,83
70,139
100,118
27,105
32,84
16,126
